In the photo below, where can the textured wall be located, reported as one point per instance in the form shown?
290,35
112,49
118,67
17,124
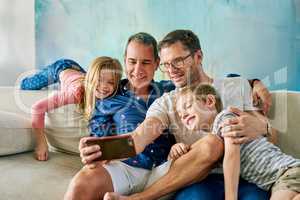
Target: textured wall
254,38
17,53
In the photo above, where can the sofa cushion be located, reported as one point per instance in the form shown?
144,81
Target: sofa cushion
64,128
284,116
15,133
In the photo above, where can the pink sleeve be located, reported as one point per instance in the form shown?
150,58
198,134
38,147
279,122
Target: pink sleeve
58,99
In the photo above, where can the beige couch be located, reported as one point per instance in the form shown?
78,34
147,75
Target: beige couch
22,176
25,178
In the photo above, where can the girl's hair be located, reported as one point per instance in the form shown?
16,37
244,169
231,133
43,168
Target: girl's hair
201,91
91,81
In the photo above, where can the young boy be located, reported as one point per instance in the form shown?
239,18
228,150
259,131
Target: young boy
259,161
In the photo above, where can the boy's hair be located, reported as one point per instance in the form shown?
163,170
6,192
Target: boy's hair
92,79
188,39
146,39
200,92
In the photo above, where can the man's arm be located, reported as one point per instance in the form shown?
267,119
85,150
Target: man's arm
261,95
273,136
144,134
157,120
147,132
245,127
248,125
231,166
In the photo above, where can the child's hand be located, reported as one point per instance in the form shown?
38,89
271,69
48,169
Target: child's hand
178,150
41,152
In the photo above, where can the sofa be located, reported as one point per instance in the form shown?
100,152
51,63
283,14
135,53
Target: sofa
25,178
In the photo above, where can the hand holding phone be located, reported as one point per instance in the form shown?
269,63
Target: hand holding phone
114,147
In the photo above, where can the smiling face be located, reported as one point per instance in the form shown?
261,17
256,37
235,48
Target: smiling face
106,85
140,64
195,114
189,72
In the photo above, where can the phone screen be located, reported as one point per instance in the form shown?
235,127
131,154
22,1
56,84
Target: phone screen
116,147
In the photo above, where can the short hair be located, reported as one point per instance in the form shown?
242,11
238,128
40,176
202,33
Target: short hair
188,39
146,39
201,91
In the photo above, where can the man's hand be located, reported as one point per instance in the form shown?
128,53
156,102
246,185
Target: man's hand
245,127
261,94
178,150
88,154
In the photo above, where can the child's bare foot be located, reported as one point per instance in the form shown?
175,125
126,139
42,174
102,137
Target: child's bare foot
41,152
114,196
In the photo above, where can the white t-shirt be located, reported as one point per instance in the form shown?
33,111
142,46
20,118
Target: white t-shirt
233,92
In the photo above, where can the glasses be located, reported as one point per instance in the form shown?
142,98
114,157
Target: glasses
177,63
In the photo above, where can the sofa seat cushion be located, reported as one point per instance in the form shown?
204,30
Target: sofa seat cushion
65,126
15,133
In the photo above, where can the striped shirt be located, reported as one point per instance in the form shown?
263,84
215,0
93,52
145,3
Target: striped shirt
262,163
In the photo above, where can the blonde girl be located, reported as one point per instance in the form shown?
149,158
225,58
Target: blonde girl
76,87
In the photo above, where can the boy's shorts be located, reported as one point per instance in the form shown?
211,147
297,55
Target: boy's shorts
289,180
128,180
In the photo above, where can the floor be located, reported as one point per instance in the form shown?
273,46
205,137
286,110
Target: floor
25,178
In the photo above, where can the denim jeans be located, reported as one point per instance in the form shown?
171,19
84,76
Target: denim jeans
212,188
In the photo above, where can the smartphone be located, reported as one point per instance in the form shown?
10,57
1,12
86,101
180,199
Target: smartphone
114,147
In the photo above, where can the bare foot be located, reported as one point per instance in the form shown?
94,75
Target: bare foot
114,196
41,152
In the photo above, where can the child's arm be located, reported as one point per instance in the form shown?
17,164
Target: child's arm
42,106
38,111
41,149
231,166
178,150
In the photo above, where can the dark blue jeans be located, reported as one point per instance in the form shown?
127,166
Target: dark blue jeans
212,188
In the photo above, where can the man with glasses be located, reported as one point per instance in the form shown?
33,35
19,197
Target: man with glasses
177,63
181,59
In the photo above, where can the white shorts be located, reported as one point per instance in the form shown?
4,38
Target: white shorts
157,173
125,178
128,180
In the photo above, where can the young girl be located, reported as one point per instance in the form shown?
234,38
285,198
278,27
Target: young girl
258,161
76,87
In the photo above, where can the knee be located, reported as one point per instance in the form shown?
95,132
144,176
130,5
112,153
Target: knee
210,148
79,187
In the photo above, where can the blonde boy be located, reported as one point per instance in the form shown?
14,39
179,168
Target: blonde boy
259,161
